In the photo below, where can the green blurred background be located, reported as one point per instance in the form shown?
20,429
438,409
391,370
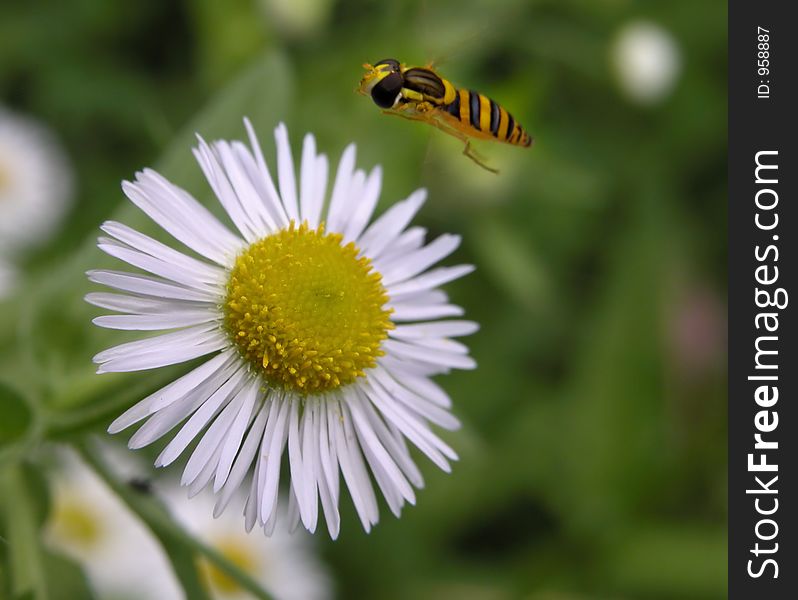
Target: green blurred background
593,452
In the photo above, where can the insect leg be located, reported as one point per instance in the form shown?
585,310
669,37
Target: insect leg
473,155
424,113
468,150
407,116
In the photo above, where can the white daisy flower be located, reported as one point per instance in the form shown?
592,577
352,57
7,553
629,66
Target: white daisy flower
647,61
325,332
297,18
35,182
285,565
91,525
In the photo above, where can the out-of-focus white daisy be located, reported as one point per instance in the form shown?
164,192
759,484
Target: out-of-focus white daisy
297,18
35,182
285,565
92,526
324,335
646,60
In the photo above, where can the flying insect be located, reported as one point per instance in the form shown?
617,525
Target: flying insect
421,94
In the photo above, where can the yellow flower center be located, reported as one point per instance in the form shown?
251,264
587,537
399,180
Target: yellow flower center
238,554
305,310
74,524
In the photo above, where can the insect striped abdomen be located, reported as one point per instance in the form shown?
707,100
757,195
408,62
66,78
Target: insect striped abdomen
478,112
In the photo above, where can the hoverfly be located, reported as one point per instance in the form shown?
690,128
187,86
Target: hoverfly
420,94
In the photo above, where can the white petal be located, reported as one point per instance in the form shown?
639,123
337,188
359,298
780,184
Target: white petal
307,179
260,202
428,280
215,434
285,172
232,442
155,322
171,393
434,356
384,230
414,263
270,467
303,486
253,498
144,243
434,329
328,473
442,344
293,511
162,350
350,204
419,312
340,194
209,282
150,286
316,201
415,431
378,457
423,386
353,471
182,216
165,419
163,358
411,239
138,305
311,468
394,443
244,459
423,407
365,206
217,179
209,409
264,183
206,474
251,203
268,526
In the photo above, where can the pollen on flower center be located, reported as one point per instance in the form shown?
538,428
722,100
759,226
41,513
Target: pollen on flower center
305,310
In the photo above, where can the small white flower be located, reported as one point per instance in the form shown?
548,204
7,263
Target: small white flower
297,18
35,182
324,336
647,62
284,565
91,525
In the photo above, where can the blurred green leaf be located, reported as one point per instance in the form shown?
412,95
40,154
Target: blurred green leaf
669,560
16,416
27,572
65,579
511,263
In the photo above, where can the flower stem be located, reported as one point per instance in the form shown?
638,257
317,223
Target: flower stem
26,562
174,538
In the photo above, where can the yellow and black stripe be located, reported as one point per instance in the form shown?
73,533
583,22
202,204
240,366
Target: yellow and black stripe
485,115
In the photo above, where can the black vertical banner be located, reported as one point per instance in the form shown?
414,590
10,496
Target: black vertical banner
763,266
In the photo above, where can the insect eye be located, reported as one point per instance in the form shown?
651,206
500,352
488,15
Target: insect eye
384,93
